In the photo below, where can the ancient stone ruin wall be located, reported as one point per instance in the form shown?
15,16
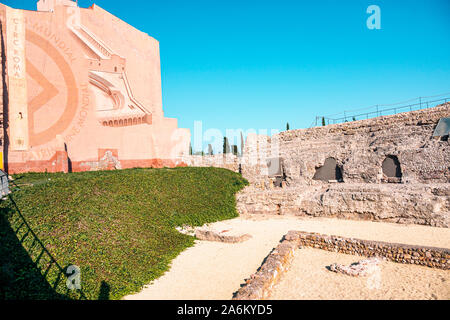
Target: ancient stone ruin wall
385,169
358,187
360,147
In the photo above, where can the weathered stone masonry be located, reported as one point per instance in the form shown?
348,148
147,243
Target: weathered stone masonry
401,253
366,185
259,285
421,195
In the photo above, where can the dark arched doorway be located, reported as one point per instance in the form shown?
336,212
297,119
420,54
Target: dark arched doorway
391,167
329,171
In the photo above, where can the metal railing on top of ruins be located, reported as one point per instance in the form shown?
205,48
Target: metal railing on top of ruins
378,112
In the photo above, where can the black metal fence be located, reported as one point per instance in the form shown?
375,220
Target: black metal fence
379,111
52,272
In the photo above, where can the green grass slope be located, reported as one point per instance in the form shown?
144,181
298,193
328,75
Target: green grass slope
117,226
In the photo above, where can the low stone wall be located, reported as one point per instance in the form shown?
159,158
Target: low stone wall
425,256
260,284
208,235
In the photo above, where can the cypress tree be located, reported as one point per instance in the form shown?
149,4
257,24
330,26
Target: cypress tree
235,149
226,146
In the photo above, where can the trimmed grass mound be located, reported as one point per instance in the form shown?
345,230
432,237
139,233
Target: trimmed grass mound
117,226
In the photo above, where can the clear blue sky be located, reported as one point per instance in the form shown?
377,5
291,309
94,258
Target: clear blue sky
258,64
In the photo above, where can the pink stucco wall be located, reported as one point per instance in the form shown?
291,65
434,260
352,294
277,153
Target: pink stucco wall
93,85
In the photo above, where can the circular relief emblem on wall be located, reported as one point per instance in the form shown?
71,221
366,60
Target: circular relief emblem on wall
52,90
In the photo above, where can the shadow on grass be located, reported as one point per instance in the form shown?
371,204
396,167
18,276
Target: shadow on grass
104,291
27,270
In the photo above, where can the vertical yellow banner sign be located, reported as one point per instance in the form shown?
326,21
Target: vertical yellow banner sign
17,82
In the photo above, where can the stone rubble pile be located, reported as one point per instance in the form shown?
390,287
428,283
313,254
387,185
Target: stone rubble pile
210,235
359,269
207,233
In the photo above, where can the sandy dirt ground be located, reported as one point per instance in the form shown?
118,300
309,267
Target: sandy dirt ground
308,278
215,270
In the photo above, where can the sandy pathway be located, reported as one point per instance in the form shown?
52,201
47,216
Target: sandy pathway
214,270
308,278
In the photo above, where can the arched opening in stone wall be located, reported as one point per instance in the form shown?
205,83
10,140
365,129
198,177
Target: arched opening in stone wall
330,171
391,167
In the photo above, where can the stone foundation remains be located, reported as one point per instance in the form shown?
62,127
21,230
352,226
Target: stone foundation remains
259,286
401,253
